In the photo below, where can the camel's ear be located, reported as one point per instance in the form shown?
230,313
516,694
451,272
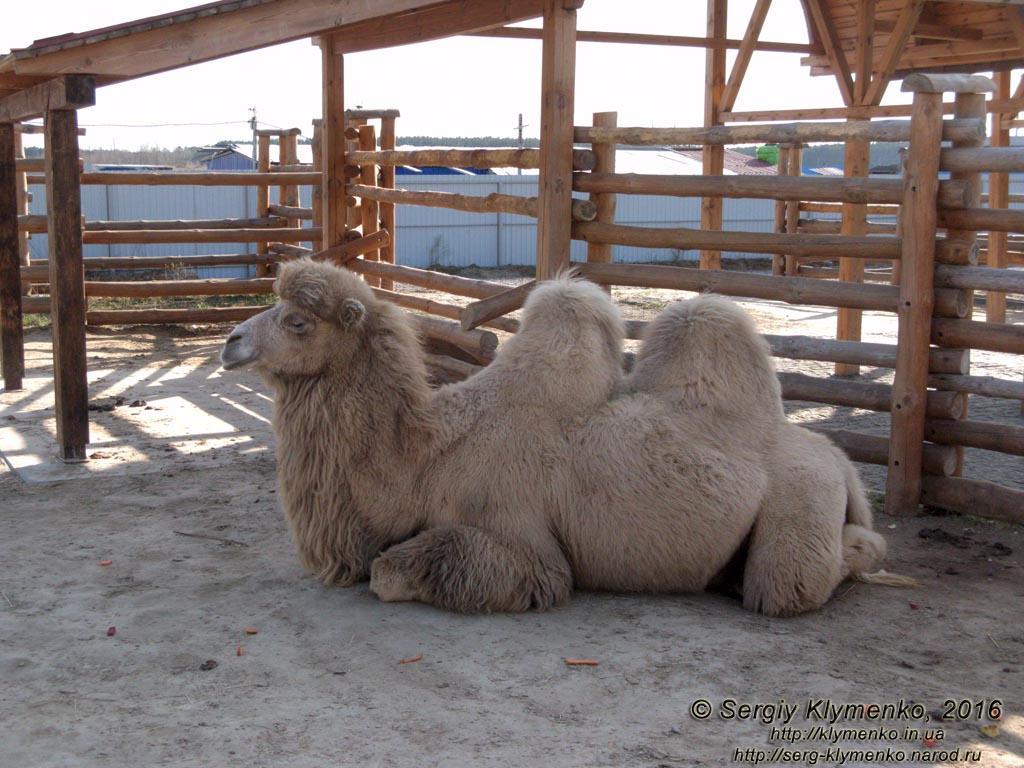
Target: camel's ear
352,313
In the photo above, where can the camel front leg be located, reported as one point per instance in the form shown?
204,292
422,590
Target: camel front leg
471,570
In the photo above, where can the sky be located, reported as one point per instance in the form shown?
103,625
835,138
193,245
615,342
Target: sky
454,87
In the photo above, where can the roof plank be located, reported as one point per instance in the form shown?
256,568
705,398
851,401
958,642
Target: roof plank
224,29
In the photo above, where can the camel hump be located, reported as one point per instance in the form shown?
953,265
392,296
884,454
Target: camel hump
707,352
568,351
563,307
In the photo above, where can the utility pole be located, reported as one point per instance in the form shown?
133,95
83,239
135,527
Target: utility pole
519,171
252,124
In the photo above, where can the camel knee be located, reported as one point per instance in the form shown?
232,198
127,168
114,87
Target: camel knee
390,583
863,549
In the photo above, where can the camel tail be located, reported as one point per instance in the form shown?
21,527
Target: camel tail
863,548
858,508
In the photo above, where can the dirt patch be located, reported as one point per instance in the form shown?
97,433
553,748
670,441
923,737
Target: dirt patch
182,504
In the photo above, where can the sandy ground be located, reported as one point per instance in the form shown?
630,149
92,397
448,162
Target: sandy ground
137,662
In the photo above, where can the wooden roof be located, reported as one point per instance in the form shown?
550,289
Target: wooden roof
219,29
891,38
863,43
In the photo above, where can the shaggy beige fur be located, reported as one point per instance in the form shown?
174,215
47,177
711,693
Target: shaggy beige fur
543,472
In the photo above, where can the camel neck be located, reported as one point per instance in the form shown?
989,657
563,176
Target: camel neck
350,444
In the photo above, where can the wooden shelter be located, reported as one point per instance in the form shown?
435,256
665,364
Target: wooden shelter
863,45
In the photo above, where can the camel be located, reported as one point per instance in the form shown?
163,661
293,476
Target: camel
547,471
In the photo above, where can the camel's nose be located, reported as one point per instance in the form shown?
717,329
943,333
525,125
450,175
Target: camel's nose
235,336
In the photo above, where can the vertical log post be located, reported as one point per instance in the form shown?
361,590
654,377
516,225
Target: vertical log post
333,108
67,283
604,152
917,297
968,105
855,219
794,167
263,195
318,190
12,342
370,213
288,154
387,210
998,197
779,218
713,156
558,85
24,198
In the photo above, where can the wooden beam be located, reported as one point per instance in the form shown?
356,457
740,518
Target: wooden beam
864,50
713,157
910,385
387,210
335,212
630,38
605,202
12,355
819,13
897,42
742,60
207,33
558,78
848,321
470,16
825,113
999,194
64,92
67,291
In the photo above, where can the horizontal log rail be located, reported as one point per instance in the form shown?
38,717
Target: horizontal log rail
1004,438
988,386
952,193
450,311
479,312
291,212
683,238
980,278
811,206
425,278
37,224
870,395
792,290
989,219
952,361
785,133
974,497
957,251
194,178
40,267
582,159
40,305
228,286
480,344
832,273
982,160
937,460
252,235
834,227
972,334
582,210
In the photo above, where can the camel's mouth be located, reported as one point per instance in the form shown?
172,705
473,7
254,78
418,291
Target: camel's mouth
238,352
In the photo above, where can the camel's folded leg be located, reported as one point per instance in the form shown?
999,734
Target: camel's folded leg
470,570
796,550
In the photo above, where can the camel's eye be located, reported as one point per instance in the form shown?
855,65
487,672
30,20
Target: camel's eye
297,323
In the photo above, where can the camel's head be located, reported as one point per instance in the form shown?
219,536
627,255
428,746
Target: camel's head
316,324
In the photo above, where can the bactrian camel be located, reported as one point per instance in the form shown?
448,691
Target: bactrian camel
549,470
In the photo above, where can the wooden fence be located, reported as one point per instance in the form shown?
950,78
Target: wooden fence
923,269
